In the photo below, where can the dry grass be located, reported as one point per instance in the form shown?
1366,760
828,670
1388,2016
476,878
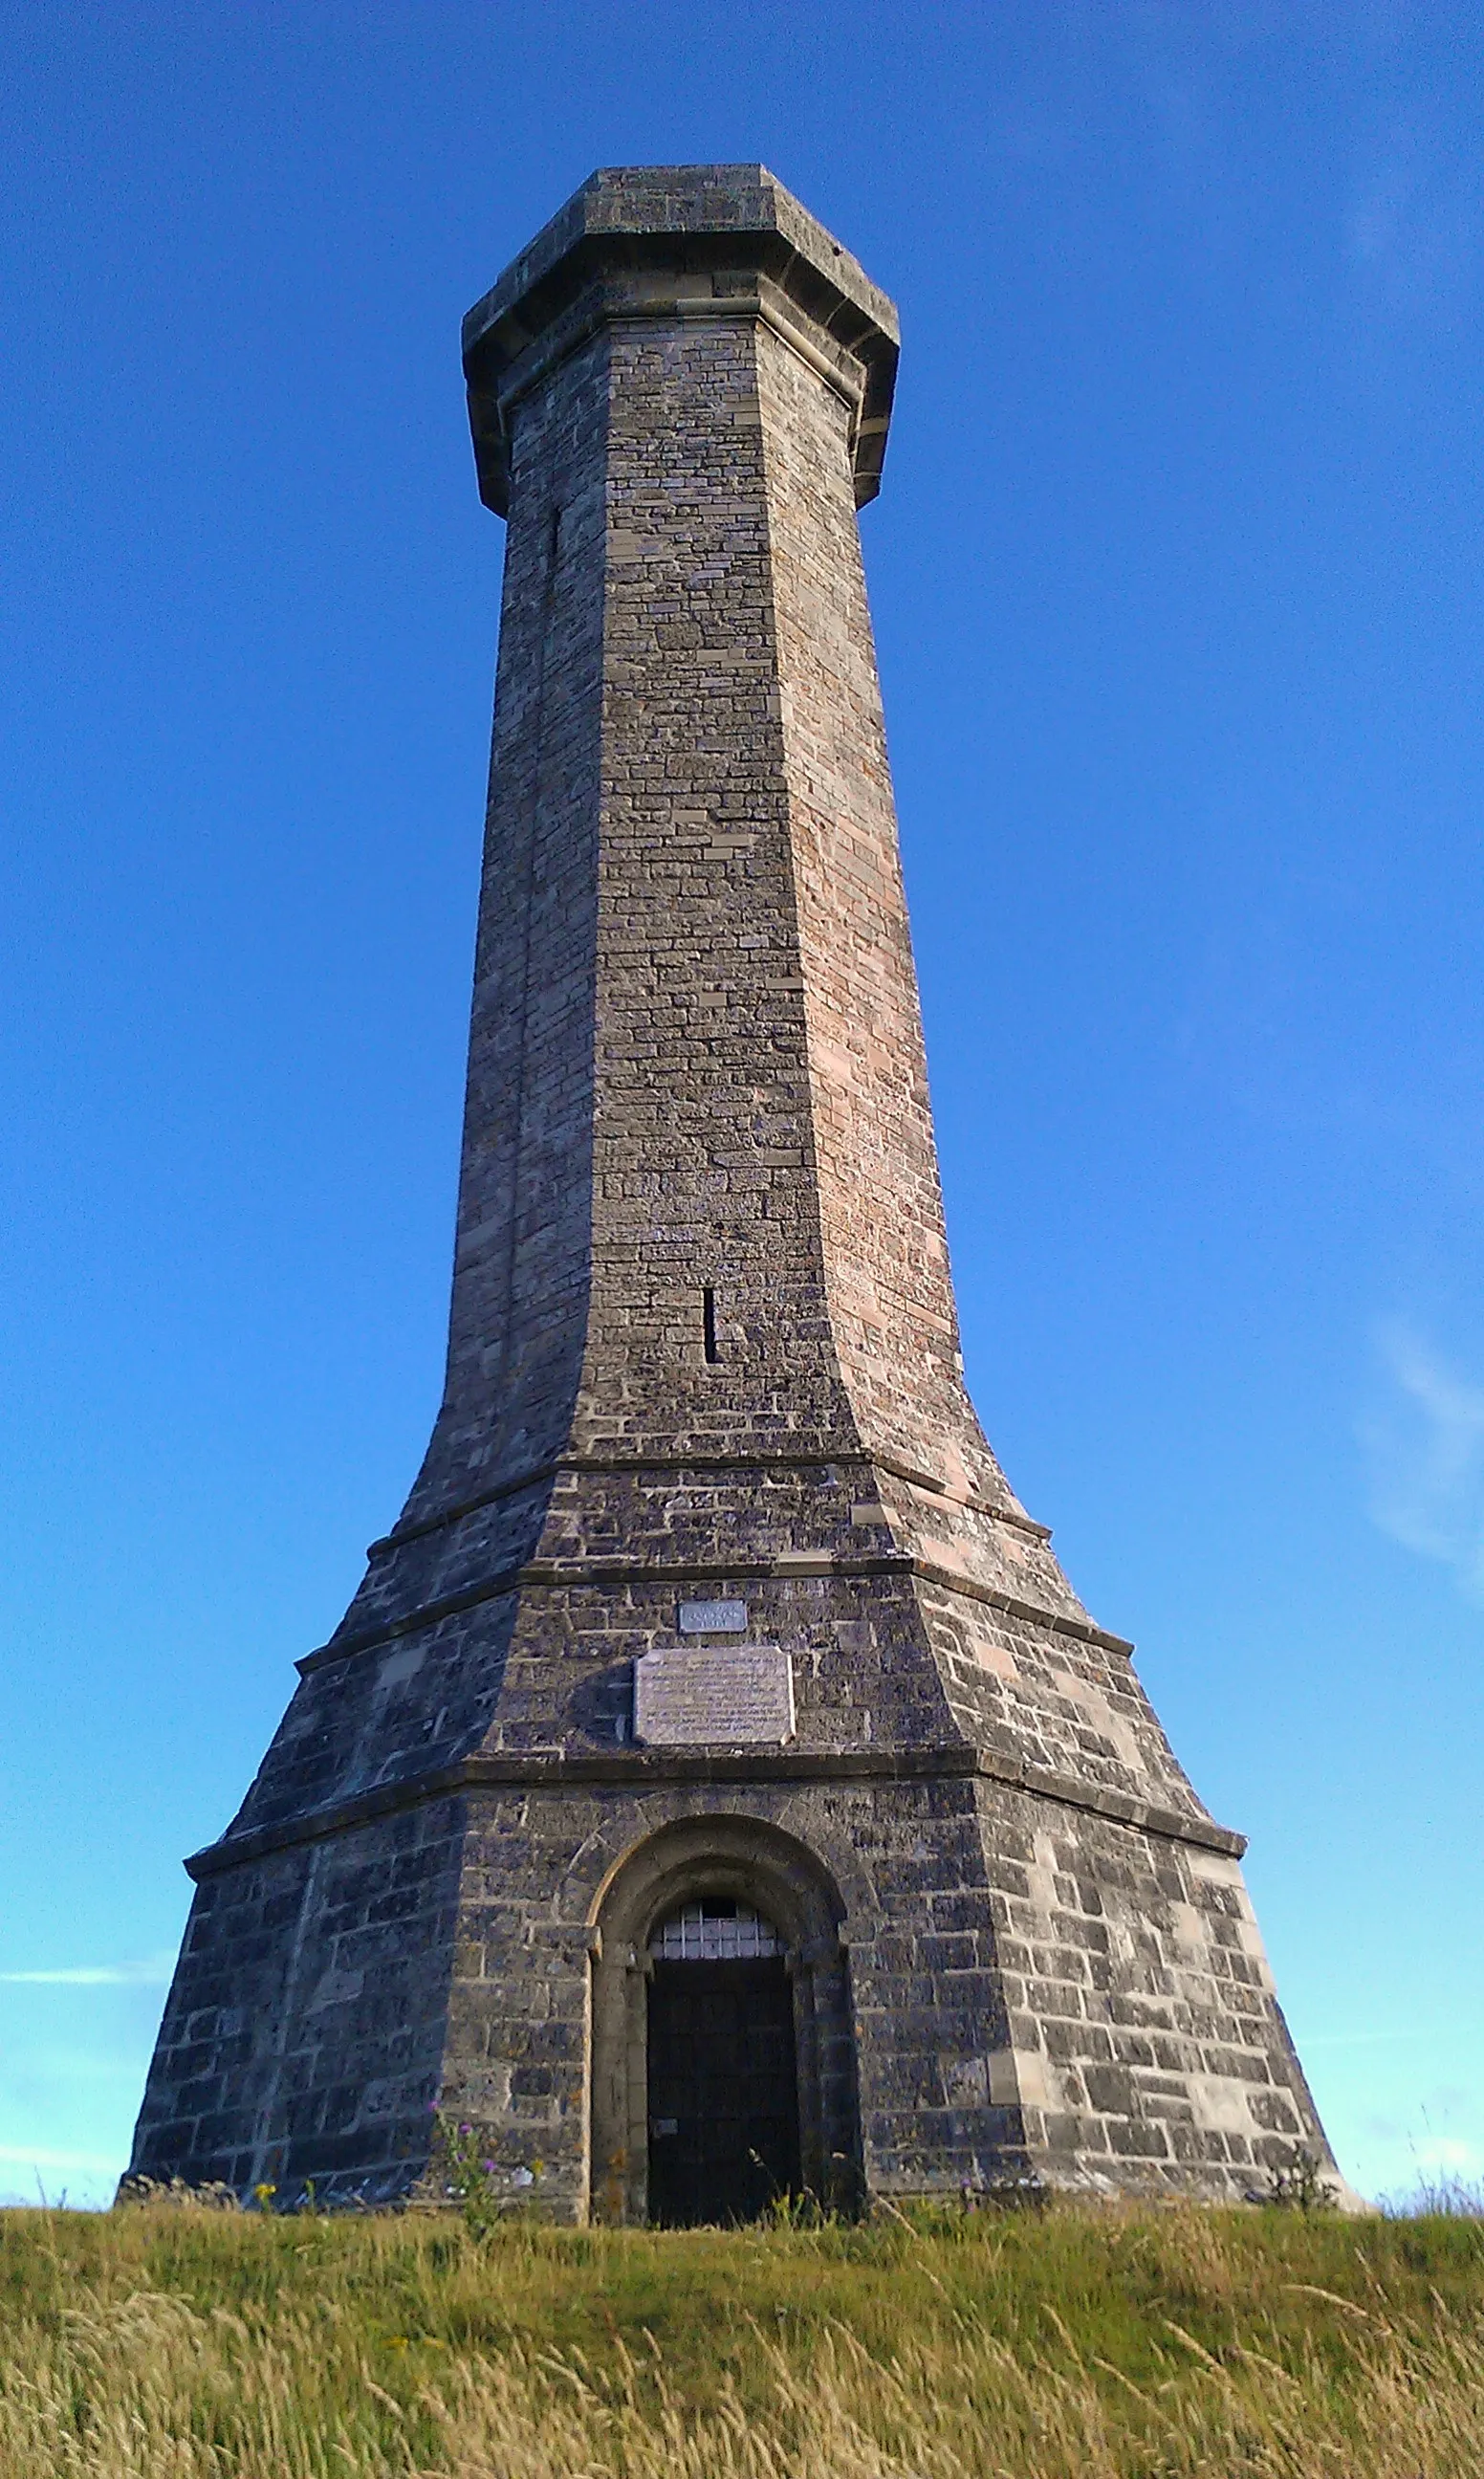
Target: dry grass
172,2344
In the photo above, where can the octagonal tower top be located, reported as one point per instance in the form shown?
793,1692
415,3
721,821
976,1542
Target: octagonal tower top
682,240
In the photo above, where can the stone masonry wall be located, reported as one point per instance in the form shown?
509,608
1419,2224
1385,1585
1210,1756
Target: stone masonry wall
1035,1989
1033,1986
702,1148
523,1237
1146,2044
892,1310
305,2030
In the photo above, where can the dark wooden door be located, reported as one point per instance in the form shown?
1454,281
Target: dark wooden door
724,2094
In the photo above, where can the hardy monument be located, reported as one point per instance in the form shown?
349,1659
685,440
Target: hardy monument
715,1787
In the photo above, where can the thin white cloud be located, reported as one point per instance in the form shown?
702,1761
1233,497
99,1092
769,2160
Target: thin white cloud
37,2156
1360,2039
152,1973
1415,222
1425,1449
1450,2154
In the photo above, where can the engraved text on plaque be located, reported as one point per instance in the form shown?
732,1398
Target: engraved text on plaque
743,1696
713,1618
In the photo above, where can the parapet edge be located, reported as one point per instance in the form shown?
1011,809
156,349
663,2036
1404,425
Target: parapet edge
653,215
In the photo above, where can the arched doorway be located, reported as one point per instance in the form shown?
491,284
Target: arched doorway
722,2066
720,2000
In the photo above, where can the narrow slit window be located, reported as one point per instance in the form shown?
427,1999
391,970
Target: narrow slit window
708,1323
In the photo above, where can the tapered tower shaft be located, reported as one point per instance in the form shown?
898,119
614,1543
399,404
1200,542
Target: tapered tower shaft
696,1060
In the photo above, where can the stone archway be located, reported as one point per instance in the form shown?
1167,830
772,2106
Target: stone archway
752,1863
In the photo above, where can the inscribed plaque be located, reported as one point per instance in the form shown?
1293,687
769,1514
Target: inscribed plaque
713,1618
687,1697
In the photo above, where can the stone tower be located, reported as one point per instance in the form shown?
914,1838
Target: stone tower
715,1783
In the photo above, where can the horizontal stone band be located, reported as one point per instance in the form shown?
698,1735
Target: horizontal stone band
638,1769
857,1456
544,1575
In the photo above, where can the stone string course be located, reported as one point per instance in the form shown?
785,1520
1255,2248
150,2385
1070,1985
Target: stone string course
1021,1947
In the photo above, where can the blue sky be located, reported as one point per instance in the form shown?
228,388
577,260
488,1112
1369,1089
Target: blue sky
1176,577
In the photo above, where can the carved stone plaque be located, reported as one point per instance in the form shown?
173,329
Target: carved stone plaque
691,1697
713,1618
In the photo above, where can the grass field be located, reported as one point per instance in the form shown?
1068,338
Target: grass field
172,2343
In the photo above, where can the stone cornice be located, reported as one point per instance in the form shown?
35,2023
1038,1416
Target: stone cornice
670,241
644,1768
576,1574
759,1459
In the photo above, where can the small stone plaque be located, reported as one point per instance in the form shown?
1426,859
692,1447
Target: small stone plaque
739,1696
713,1618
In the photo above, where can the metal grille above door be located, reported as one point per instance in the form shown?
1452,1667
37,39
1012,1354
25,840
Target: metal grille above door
716,1930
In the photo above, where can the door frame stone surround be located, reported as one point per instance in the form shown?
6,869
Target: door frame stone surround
739,1857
